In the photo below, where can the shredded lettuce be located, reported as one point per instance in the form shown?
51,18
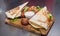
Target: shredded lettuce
13,20
38,7
25,8
50,15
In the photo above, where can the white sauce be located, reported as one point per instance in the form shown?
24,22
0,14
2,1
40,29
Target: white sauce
29,14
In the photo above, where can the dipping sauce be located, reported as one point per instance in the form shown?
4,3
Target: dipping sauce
29,14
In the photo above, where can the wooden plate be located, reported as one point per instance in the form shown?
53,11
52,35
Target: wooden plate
18,24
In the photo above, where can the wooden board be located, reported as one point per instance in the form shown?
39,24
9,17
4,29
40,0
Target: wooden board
18,24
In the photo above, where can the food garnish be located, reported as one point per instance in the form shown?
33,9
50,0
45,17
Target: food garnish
13,20
38,7
25,8
50,15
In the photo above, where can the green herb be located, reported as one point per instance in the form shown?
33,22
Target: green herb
13,20
38,7
50,15
25,8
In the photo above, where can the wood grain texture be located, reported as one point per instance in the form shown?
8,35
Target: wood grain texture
27,27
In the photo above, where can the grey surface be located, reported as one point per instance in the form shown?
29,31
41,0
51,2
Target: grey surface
56,27
6,30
